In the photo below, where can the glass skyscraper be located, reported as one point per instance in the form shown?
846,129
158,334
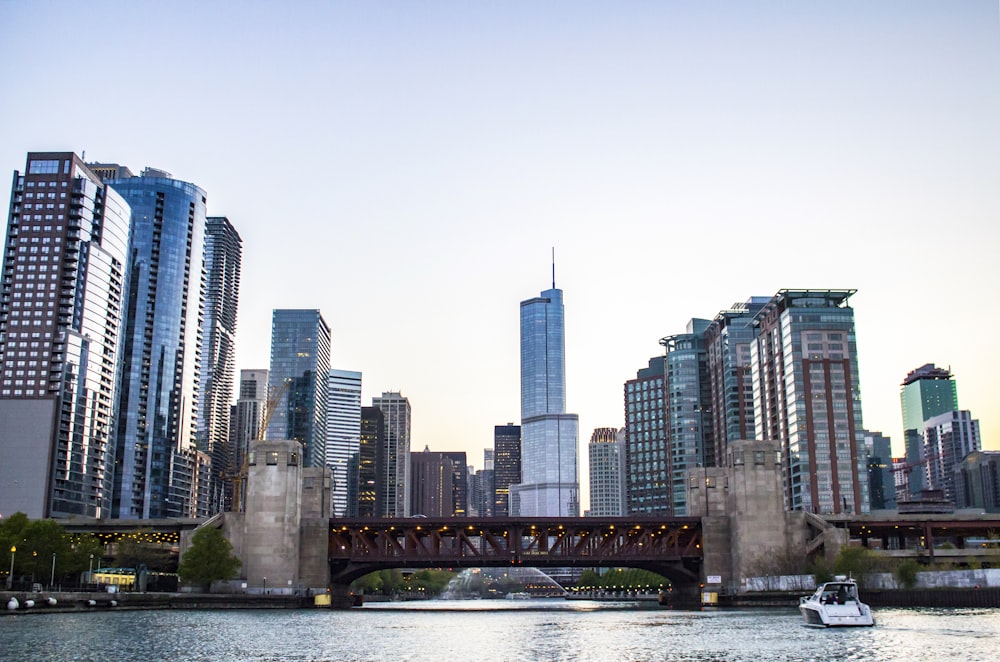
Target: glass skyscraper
550,484
807,396
61,314
926,392
506,466
343,438
689,415
223,258
300,364
158,465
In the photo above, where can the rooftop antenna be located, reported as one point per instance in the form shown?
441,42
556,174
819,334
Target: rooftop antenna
553,267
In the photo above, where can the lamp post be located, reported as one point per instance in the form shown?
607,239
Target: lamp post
90,573
52,577
265,585
10,577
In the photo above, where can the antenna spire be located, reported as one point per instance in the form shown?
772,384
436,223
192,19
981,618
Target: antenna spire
553,267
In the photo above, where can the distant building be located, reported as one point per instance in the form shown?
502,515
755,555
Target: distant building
245,426
977,481
549,481
607,476
925,393
460,483
300,363
394,457
881,480
689,414
158,465
647,477
947,439
343,438
371,446
223,260
506,465
62,317
807,395
432,481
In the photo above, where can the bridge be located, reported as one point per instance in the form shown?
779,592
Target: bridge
671,547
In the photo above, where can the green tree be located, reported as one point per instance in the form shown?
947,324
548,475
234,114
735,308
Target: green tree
209,558
856,562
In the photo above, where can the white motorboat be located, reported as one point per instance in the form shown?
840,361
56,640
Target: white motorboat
836,604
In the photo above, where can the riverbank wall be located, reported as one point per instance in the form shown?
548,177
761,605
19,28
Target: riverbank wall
73,602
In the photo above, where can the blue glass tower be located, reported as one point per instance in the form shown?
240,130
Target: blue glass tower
548,434
300,363
157,464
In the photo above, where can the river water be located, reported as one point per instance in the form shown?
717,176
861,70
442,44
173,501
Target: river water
488,631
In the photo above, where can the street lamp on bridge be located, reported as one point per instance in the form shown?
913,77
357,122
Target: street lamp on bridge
10,577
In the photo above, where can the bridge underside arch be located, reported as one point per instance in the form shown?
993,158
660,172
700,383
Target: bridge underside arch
671,548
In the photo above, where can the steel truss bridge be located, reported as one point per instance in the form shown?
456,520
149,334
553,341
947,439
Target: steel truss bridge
671,547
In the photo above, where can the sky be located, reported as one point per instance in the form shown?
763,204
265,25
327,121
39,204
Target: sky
408,167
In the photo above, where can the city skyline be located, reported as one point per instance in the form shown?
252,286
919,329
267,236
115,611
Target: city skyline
679,158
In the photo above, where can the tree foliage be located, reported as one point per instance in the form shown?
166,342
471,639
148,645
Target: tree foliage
906,573
209,558
620,579
36,541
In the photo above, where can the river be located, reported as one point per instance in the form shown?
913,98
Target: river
488,631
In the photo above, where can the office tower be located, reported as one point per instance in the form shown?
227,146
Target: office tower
506,465
157,462
607,457
460,483
370,450
245,426
300,364
977,481
689,413
481,490
549,484
343,438
647,451
926,392
394,457
807,396
61,319
432,484
947,439
727,343
223,257
881,483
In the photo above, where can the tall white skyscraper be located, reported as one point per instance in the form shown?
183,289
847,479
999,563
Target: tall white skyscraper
343,438
549,483
392,461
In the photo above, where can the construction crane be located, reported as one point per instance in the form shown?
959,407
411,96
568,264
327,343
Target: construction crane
238,478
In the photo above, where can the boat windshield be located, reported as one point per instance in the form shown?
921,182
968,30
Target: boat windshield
836,594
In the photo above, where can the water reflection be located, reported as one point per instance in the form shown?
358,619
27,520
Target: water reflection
494,631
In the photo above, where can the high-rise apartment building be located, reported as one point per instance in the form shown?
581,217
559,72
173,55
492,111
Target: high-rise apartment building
607,476
158,466
223,259
807,396
647,449
549,479
343,438
689,411
394,457
460,483
246,421
481,487
62,306
947,439
926,392
370,457
506,465
300,364
727,344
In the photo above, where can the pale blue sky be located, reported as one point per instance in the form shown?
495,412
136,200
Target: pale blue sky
406,167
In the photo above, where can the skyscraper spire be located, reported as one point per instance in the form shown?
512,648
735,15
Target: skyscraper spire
553,267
